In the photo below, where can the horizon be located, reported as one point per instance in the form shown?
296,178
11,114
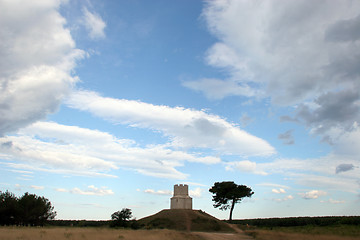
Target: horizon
105,105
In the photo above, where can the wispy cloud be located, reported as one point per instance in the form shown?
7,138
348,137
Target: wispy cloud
158,192
313,194
91,191
37,187
186,128
287,198
75,150
287,137
332,201
94,24
280,190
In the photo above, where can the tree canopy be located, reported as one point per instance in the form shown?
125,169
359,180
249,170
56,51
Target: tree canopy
227,194
121,218
26,210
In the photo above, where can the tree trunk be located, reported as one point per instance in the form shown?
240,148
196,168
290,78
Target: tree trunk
231,209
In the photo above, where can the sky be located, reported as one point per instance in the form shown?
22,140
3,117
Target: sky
106,105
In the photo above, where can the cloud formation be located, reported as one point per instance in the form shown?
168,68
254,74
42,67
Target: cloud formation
158,192
92,191
313,194
37,57
344,167
186,128
94,24
287,137
298,52
76,150
278,191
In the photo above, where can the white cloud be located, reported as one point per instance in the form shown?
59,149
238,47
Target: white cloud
185,127
313,194
37,187
48,146
287,198
61,190
245,166
94,24
93,191
284,49
159,192
280,190
296,53
37,57
196,193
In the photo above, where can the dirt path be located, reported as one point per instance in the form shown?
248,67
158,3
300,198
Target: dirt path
238,235
223,236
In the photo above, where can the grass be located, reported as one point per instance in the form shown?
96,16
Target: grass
335,232
185,220
61,233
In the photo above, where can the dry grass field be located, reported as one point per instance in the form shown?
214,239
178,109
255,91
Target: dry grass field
59,233
75,233
279,235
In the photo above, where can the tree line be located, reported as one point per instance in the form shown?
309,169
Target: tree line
300,221
27,210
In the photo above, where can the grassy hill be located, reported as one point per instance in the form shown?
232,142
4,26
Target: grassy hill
185,220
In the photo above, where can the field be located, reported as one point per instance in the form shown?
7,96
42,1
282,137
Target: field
61,233
104,233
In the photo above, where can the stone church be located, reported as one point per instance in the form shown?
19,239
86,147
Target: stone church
181,198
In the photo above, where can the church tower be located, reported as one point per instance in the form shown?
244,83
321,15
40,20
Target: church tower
181,199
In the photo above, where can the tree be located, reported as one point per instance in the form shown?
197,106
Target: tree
27,210
35,210
8,208
227,194
121,218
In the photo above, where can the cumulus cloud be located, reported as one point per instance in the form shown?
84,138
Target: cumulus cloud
37,57
299,53
186,128
313,194
94,24
54,147
331,110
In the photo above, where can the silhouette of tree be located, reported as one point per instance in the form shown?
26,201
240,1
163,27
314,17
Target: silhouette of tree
121,218
35,210
8,208
27,210
227,194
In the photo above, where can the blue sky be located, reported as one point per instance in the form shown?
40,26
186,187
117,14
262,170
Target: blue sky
108,104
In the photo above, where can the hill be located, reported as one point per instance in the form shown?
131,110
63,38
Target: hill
185,220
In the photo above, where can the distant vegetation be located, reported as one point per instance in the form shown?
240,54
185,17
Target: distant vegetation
28,209
300,221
